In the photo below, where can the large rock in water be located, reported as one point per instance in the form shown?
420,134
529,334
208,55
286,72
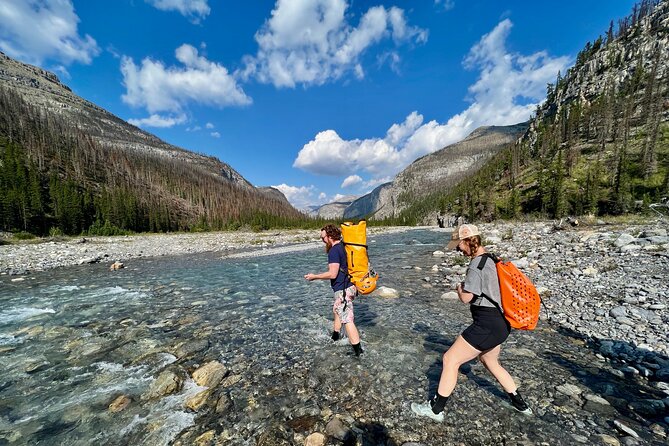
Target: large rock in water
210,374
386,292
119,403
198,400
167,383
336,428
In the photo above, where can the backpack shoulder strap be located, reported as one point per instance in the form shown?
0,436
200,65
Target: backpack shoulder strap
347,277
484,258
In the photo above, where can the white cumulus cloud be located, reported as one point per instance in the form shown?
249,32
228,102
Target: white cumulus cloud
36,30
159,88
507,91
351,180
299,196
310,42
209,125
215,134
194,10
156,120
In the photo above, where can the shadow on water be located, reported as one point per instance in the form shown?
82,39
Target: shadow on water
373,434
436,343
484,383
364,315
629,395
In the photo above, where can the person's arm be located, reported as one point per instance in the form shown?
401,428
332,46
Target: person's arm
472,286
464,296
331,273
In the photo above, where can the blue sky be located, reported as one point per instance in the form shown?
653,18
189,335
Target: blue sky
319,98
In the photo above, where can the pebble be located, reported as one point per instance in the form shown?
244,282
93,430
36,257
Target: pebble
623,428
569,389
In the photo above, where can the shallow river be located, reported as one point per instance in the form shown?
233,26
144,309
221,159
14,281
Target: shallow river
74,339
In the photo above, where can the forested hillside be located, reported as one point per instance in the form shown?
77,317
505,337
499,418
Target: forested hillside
58,175
598,145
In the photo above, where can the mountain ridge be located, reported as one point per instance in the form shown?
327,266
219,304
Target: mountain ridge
436,170
598,144
60,99
73,154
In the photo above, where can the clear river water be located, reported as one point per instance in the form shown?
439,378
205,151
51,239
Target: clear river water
73,339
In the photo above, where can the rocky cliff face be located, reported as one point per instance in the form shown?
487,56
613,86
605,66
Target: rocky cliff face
43,89
607,65
333,211
274,193
372,203
436,171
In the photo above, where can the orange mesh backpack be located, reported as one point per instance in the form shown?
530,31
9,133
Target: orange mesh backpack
521,302
361,273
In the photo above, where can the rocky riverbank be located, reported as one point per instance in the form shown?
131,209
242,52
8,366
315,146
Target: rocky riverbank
207,352
38,255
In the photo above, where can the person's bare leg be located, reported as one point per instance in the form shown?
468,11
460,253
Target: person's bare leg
490,359
337,322
352,333
459,353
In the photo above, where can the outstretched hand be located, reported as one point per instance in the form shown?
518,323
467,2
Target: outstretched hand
310,276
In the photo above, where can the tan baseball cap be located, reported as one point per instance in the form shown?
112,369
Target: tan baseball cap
463,232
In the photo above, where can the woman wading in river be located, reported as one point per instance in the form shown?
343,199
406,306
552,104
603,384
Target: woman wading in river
484,337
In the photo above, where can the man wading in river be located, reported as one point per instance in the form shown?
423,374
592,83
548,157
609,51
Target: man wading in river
484,337
343,294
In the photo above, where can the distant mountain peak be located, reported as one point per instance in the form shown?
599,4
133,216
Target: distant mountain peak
435,171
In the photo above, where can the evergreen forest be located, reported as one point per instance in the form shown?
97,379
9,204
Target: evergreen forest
55,179
605,155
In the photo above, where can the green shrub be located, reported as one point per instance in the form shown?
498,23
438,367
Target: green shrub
23,235
107,229
55,232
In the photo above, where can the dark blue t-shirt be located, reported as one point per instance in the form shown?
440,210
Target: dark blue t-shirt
337,254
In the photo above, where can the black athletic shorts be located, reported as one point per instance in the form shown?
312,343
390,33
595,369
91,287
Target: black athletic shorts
489,329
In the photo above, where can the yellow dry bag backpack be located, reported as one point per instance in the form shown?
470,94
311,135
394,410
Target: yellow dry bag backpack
362,275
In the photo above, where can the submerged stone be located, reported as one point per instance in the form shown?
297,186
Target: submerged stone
120,403
336,428
386,292
210,374
167,383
